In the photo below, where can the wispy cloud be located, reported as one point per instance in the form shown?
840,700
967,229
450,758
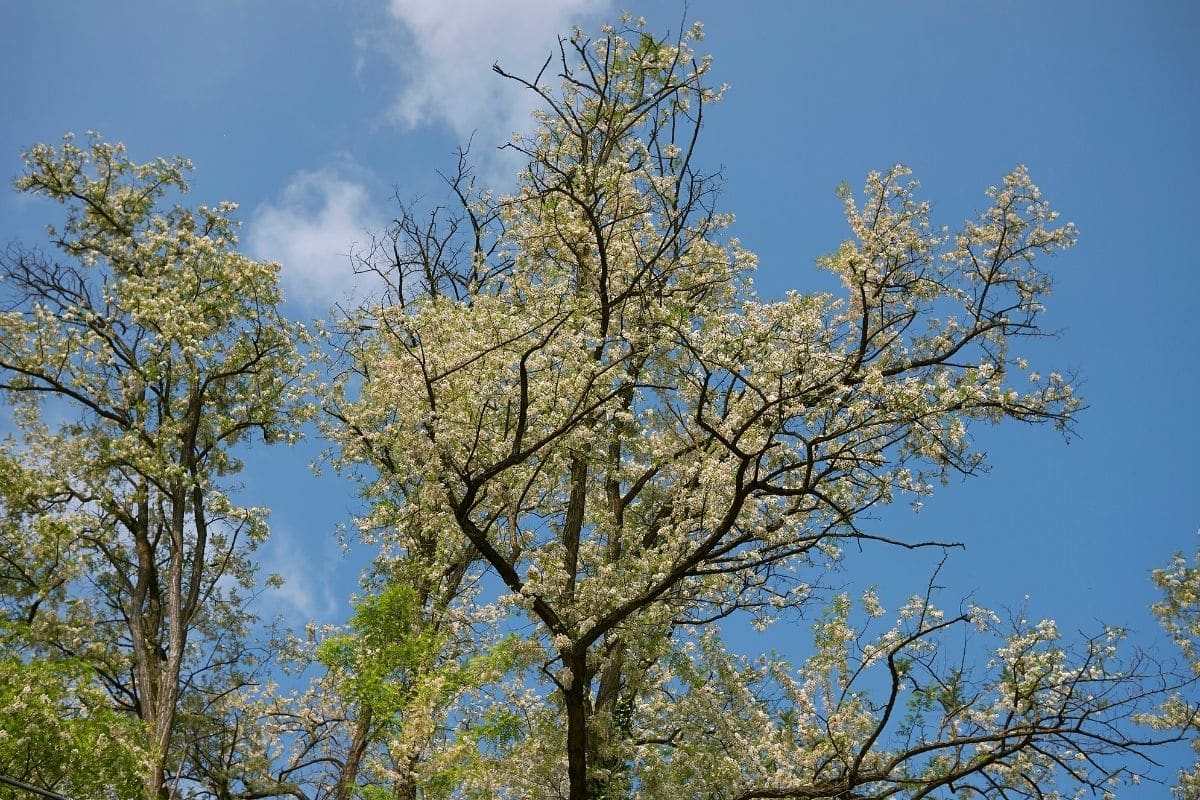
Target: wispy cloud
443,52
307,592
447,51
318,220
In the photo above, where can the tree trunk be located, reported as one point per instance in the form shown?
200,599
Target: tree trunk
576,699
358,745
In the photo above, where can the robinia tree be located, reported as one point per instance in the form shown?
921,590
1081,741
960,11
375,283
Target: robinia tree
135,358
1179,613
570,398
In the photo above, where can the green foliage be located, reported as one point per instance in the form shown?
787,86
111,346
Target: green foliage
499,727
385,652
59,732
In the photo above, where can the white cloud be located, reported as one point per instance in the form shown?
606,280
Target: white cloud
451,46
307,592
444,51
319,219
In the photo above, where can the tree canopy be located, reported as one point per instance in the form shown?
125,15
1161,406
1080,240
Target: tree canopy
587,451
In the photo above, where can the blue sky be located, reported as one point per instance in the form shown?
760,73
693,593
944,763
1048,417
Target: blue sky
311,114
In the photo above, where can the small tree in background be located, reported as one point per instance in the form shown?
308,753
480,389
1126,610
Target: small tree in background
135,359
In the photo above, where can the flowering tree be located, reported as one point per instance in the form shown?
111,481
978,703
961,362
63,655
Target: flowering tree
58,730
573,392
133,367
1179,613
